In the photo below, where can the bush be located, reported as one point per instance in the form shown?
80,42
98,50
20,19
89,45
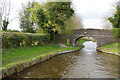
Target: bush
116,32
16,39
9,30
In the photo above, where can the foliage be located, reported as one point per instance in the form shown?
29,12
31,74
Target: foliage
68,27
75,22
27,24
107,25
48,17
84,39
57,14
116,32
16,39
5,24
80,42
69,45
51,17
9,30
115,20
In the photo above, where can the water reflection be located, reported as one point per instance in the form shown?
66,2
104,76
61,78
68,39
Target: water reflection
90,46
87,63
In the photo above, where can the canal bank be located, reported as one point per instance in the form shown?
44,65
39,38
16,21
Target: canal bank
110,49
18,67
86,63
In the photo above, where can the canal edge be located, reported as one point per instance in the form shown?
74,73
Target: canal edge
24,65
111,53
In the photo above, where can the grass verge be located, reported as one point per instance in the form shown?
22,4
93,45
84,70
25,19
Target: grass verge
111,48
81,41
24,54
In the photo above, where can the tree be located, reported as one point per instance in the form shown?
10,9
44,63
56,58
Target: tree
107,25
115,20
75,22
57,13
27,24
5,12
116,32
51,17
0,20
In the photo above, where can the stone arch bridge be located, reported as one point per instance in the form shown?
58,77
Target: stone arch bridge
103,37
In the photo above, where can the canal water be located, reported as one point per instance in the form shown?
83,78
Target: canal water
86,63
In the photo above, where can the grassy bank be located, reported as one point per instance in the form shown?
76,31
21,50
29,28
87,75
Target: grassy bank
82,40
23,54
110,48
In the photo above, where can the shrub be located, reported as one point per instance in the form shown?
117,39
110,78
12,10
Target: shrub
116,32
16,39
9,30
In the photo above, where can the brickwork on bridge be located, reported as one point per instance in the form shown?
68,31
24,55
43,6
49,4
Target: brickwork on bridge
103,37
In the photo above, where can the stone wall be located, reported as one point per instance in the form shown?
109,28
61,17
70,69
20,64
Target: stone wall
103,37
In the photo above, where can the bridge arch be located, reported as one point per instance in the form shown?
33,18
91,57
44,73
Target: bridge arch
77,38
102,36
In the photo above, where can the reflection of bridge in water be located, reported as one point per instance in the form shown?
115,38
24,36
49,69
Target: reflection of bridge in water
102,36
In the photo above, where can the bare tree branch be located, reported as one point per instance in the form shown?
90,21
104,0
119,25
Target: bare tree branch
13,19
9,9
5,12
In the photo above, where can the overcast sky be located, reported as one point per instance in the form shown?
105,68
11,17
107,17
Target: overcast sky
91,11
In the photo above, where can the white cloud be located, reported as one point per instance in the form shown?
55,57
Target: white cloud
93,11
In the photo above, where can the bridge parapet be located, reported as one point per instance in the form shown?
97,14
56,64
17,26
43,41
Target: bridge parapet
93,31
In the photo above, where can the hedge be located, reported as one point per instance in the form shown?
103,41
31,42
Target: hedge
16,39
116,32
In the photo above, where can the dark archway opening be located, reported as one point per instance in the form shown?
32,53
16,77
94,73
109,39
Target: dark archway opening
80,40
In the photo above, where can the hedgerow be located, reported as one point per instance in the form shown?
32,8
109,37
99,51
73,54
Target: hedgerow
16,39
116,32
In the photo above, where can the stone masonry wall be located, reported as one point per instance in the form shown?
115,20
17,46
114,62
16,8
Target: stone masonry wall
103,37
